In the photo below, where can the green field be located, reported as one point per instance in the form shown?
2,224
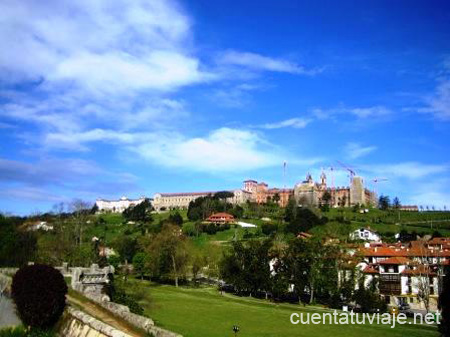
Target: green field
203,312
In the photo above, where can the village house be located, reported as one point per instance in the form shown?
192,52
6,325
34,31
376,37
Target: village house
221,218
406,273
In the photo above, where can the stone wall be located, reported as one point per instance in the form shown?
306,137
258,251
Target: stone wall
76,323
138,321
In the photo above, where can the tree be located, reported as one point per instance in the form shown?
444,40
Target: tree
39,292
367,299
175,219
80,213
246,266
444,306
16,247
168,253
312,267
140,212
276,198
224,195
384,202
302,219
139,262
126,246
325,201
396,203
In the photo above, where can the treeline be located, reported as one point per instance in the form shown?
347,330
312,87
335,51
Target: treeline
17,247
301,270
201,208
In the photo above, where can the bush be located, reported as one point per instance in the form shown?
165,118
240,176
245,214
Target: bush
268,228
20,331
39,292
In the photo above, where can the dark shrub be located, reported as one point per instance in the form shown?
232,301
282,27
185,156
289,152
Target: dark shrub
39,292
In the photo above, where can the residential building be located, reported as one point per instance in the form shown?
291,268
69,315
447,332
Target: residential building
365,234
221,218
405,271
117,206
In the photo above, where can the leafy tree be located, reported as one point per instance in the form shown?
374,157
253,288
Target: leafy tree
175,219
94,209
302,219
224,195
139,262
140,212
368,300
312,266
268,228
325,201
246,266
384,203
444,306
168,253
16,247
396,203
237,211
39,292
126,246
114,261
276,198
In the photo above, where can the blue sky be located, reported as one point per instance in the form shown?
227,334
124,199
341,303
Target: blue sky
104,99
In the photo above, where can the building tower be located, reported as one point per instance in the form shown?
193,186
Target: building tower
323,181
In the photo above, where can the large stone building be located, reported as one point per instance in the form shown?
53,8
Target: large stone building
309,192
167,201
252,191
117,206
261,193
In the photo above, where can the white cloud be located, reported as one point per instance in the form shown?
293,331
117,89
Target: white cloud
439,103
355,150
410,170
297,123
363,113
371,112
101,46
261,62
223,150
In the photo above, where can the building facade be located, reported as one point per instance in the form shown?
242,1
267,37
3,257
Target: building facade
117,206
311,193
406,273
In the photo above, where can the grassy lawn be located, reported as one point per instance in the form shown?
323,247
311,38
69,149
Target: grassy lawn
204,312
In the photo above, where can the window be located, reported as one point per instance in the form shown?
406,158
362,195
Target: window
411,300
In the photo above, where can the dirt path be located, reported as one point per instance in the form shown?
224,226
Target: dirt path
104,316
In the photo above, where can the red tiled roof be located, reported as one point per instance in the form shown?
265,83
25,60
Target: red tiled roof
396,260
221,215
405,252
370,270
439,241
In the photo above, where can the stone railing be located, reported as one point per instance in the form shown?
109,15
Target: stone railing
77,323
90,281
138,321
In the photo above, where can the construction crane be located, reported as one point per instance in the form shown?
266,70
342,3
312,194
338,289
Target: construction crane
352,172
375,182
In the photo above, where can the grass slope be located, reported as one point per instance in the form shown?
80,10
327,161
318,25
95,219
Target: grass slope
204,312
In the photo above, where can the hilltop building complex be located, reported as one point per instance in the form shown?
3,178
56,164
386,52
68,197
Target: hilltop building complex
307,192
312,193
